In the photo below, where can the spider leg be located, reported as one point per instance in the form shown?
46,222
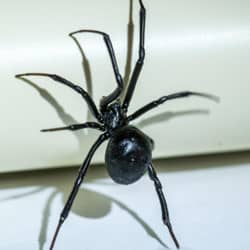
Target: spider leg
140,61
82,172
77,88
73,127
163,99
164,207
111,97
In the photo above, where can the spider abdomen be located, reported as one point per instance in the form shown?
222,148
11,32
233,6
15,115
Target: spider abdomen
128,155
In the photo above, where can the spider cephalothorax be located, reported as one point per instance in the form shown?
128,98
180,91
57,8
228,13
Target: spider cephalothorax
128,154
114,117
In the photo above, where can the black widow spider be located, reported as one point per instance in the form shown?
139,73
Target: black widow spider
128,155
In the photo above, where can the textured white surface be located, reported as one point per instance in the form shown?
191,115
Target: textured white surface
208,199
190,45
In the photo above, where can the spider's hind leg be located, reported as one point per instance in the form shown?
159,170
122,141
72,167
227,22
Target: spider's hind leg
164,207
81,174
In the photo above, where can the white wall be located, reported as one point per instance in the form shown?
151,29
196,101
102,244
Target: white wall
190,45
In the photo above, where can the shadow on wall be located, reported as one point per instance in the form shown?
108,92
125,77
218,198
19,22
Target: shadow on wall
65,117
84,139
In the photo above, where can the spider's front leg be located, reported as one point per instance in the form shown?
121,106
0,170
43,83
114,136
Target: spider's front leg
73,86
164,207
82,172
116,93
163,99
140,61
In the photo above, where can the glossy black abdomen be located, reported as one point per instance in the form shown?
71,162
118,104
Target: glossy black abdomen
128,155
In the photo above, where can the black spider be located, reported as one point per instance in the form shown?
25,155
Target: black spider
128,155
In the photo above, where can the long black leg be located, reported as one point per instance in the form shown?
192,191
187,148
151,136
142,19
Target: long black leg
164,207
140,60
77,88
73,127
116,93
163,99
77,184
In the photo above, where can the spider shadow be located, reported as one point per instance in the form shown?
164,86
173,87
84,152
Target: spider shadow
130,39
82,137
127,71
65,117
86,72
95,205
166,116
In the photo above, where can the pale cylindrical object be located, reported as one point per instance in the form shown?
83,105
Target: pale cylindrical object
198,46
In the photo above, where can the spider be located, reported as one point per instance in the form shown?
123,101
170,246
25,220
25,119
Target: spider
129,151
